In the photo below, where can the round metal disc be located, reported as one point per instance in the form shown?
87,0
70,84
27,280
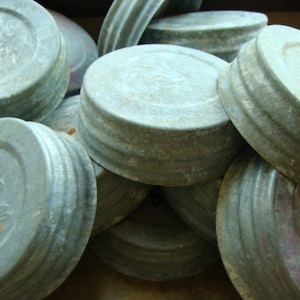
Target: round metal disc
258,229
221,33
153,243
152,113
260,92
125,23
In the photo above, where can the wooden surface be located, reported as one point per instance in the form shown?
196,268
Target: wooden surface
93,280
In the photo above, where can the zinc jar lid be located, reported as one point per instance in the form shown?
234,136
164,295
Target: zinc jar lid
125,23
158,106
29,48
25,187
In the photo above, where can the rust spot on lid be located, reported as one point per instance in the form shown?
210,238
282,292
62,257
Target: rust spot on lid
72,131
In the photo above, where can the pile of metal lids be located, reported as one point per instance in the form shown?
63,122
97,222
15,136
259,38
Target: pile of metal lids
181,147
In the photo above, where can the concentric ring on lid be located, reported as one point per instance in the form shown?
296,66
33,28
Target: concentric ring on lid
152,113
26,32
260,92
48,203
30,48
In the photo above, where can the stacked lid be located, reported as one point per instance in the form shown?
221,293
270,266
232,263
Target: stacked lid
81,50
126,20
152,113
47,209
221,33
258,229
153,243
34,67
260,92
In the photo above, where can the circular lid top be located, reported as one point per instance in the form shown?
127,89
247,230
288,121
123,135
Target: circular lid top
29,46
159,86
209,20
279,48
25,187
125,23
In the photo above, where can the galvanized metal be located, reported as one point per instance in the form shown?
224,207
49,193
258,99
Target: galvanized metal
47,208
117,196
221,33
258,230
260,92
197,205
125,23
152,113
34,68
153,243
81,50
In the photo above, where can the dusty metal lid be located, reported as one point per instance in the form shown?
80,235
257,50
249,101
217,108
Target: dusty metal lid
117,196
153,243
221,33
164,124
32,58
260,92
125,23
258,229
47,209
81,50
196,205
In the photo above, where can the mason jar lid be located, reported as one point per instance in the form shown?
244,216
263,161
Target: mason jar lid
48,203
260,92
154,244
30,46
258,229
125,23
221,33
152,113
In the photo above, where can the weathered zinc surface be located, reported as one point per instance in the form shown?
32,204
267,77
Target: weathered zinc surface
221,33
117,196
258,230
125,23
81,50
197,205
47,208
153,243
260,91
152,113
34,69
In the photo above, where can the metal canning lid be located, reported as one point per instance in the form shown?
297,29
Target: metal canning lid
81,50
221,33
164,124
196,205
125,23
260,92
154,244
117,196
30,49
258,229
47,209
